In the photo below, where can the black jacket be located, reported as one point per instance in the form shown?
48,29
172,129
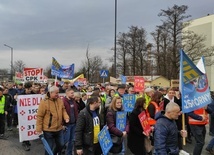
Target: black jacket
84,132
136,136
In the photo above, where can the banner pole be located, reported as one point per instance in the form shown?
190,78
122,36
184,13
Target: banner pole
183,127
55,80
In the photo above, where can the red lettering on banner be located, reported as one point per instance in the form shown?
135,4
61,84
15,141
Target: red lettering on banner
24,102
32,71
35,101
31,133
31,117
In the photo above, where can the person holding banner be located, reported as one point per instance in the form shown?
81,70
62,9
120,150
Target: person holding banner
87,128
197,121
51,113
136,136
27,91
111,121
166,131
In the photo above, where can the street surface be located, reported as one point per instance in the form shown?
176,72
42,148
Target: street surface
12,146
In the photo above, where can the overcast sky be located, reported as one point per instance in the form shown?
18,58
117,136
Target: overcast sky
41,29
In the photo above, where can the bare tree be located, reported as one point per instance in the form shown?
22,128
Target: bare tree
195,48
131,51
169,38
19,66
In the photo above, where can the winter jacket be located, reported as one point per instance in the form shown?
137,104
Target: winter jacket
84,132
136,136
165,136
50,115
68,108
178,101
111,123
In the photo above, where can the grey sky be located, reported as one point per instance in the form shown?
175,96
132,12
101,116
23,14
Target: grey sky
41,29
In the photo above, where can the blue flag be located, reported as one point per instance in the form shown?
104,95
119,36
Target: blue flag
67,72
193,84
55,67
62,71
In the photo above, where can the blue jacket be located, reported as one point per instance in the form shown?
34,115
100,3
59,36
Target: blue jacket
165,135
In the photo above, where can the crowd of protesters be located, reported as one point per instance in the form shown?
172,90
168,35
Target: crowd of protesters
71,124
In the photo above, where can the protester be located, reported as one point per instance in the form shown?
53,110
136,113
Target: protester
3,112
153,107
210,109
131,90
42,90
14,92
50,116
80,103
197,120
64,86
170,97
148,93
109,98
72,110
87,129
9,100
115,106
166,131
84,98
120,90
136,137
27,91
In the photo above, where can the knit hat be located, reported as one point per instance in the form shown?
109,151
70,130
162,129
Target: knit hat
147,90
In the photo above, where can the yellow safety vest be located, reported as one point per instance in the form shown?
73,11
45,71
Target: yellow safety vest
2,104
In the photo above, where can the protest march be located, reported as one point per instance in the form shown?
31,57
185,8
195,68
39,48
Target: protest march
72,116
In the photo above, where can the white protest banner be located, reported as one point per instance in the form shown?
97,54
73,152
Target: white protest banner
33,74
27,112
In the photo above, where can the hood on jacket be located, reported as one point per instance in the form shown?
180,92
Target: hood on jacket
159,114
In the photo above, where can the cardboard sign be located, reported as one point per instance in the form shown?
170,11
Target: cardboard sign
144,122
138,84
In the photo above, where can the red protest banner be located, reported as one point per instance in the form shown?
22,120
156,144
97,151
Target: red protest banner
144,122
138,84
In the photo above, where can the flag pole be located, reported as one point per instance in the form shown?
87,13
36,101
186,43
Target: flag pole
55,80
183,127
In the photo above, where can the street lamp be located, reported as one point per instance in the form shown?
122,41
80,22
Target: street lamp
115,40
11,59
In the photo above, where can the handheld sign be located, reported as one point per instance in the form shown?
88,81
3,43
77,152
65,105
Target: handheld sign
121,120
33,74
105,140
128,102
144,122
138,84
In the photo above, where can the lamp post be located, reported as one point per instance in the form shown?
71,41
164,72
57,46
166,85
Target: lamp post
115,40
11,59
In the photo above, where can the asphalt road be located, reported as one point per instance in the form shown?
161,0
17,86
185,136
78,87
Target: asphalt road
12,146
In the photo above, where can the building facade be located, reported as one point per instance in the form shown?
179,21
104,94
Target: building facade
205,26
